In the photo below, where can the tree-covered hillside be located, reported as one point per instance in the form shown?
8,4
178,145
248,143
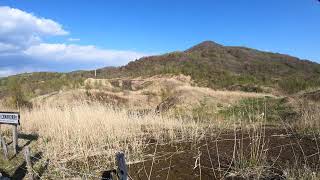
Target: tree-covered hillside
217,66
209,64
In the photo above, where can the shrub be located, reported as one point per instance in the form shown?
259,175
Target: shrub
17,98
258,109
292,85
204,111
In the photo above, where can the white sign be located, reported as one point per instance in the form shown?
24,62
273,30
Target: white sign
9,118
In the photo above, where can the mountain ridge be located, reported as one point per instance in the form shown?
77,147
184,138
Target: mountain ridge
208,63
227,61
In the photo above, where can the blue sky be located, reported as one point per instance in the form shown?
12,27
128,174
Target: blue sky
59,35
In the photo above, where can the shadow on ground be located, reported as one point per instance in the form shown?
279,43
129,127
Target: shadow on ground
21,171
108,175
29,138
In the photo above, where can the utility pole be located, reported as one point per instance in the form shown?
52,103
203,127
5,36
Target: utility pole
95,73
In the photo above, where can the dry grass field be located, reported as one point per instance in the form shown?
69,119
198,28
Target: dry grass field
80,141
203,133
81,134
136,90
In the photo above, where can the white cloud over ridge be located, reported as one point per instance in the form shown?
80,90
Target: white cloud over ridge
6,72
22,33
73,52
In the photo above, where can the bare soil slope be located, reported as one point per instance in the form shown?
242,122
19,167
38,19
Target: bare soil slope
162,91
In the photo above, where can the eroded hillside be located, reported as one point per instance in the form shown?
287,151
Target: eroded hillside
162,92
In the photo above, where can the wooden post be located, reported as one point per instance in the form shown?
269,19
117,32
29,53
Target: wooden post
28,163
4,147
122,167
15,139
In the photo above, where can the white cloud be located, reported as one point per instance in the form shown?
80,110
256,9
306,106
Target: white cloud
73,52
6,72
73,39
15,20
21,29
21,40
7,47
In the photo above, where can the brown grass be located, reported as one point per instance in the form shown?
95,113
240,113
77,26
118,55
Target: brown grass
308,122
86,137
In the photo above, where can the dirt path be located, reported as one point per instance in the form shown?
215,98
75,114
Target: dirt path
212,158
